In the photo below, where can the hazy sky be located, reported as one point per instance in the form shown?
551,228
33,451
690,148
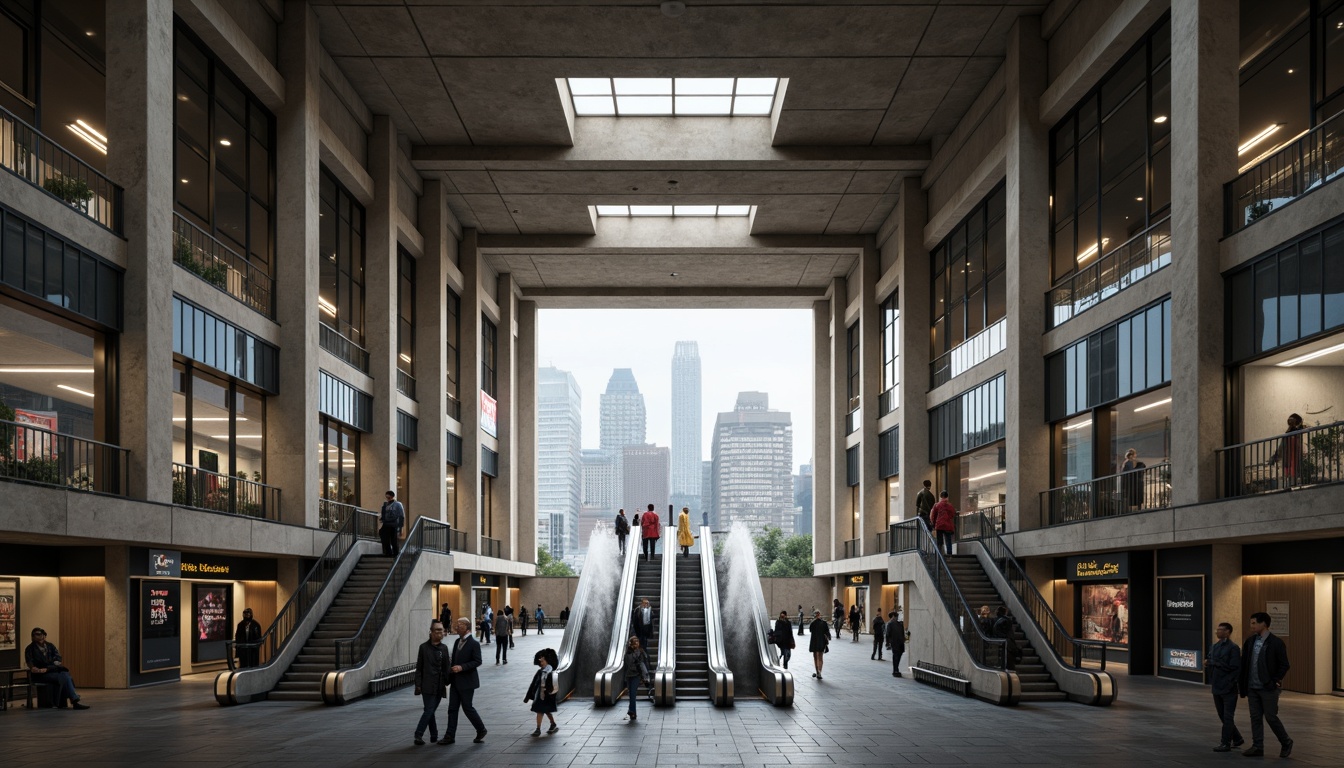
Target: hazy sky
768,350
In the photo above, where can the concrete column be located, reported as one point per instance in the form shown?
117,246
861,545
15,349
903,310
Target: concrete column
525,434
1203,157
140,140
1225,586
469,474
378,451
1028,234
505,511
116,607
427,495
912,264
842,509
291,416
823,463
872,488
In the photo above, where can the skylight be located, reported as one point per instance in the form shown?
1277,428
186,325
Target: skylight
673,210
674,97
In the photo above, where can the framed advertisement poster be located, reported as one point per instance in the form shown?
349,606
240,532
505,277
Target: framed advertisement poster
1105,612
160,625
9,624
1181,624
212,607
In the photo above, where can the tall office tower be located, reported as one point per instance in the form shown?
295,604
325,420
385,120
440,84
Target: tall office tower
559,462
802,498
686,427
753,462
601,488
707,515
623,417
646,475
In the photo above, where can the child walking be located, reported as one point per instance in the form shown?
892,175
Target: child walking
542,692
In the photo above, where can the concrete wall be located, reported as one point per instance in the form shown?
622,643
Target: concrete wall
1316,392
258,22
554,593
343,124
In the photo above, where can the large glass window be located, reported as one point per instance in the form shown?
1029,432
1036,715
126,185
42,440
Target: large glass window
978,481
489,355
338,461
969,280
452,363
218,425
405,312
340,295
1111,169
224,164
450,497
1122,359
852,365
51,374
891,352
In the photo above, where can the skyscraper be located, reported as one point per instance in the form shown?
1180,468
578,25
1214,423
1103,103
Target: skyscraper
753,462
686,416
646,479
623,417
802,498
559,465
601,491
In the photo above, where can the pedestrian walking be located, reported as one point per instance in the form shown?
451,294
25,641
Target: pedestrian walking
1003,627
543,692
247,641
636,669
642,621
446,616
855,622
431,681
648,523
879,634
986,620
540,616
800,621
1290,452
487,622
392,517
508,611
463,680
1264,662
503,628
1223,661
522,621
820,643
838,614
944,522
924,502
685,539
622,529
783,638
895,632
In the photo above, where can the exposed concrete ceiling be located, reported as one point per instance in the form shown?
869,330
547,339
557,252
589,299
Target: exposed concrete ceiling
473,83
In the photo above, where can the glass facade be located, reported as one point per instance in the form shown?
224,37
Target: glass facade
968,421
338,461
977,480
969,280
452,363
889,453
218,426
405,312
450,497
890,316
52,373
200,336
35,261
489,356
340,294
1125,358
1111,159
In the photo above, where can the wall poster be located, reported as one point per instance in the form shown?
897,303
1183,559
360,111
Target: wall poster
160,625
1279,616
1181,624
9,624
1105,612
212,609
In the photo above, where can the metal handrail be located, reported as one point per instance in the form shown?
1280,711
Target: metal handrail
1138,490
882,537
850,548
454,407
968,526
1070,650
1312,160
491,547
426,536
1311,456
203,489
665,672
1123,266
342,346
332,515
457,540
37,455
608,681
205,256
405,383
34,157
970,353
720,675
990,652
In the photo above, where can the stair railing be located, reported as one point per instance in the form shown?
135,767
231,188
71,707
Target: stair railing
720,676
665,674
913,536
425,536
1070,650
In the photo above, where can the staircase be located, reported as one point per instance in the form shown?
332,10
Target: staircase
649,583
692,647
303,679
1037,683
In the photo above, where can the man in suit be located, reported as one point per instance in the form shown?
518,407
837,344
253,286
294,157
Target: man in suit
1264,663
895,639
641,623
1223,662
463,681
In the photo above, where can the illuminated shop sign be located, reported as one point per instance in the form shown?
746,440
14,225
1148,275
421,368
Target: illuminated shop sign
1113,566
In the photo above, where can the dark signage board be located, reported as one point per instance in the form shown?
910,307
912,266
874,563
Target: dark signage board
1112,566
212,608
860,580
165,562
1181,624
160,625
481,580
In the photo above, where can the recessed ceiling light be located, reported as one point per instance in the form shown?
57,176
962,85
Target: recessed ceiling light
184,181
1160,119
88,33
76,391
225,143
43,369
1259,137
182,97
1290,71
1310,356
1142,408
1139,199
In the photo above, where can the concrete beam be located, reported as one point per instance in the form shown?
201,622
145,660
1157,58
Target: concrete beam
228,41
658,146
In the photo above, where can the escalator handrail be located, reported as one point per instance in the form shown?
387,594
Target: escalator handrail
620,632
721,677
565,669
763,624
667,621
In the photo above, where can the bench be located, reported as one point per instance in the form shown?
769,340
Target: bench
44,693
941,677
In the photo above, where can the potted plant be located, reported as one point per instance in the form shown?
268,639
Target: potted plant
1258,209
74,191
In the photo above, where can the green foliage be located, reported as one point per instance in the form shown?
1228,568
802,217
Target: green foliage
549,566
72,190
6,431
212,272
781,557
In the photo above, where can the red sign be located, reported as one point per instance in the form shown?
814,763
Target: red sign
489,415
31,443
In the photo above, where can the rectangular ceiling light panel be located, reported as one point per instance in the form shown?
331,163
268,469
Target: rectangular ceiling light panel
673,210
673,97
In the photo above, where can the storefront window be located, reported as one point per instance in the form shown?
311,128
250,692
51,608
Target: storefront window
218,425
338,461
50,375
1105,612
984,479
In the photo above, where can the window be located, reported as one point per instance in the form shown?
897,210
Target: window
890,318
679,97
889,453
404,477
969,281
224,172
852,365
199,335
1125,358
684,211
1111,168
977,480
489,355
42,265
340,295
17,46
338,460
453,358
405,312
486,525
450,497
51,374
968,421
218,426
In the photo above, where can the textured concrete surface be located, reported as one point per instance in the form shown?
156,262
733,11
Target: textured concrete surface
857,715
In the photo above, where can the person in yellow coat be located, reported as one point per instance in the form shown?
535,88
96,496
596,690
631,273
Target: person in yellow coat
685,539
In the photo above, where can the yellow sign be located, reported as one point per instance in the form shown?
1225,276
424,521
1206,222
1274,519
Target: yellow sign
1094,568
210,568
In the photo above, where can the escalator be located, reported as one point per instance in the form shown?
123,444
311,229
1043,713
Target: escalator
606,583
692,652
752,662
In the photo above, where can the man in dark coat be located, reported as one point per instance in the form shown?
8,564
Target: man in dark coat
391,517
895,639
245,638
879,634
463,680
1264,663
1223,662
924,502
784,638
431,678
1003,627
642,621
45,665
446,616
622,529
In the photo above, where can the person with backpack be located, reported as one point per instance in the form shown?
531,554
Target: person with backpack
622,529
503,628
392,517
855,621
543,692
540,616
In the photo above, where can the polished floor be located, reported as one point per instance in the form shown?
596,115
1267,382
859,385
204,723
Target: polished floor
857,715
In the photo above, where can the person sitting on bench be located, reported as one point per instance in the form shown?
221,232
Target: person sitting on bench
44,666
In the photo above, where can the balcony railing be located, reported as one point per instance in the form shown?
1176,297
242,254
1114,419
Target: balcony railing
1312,456
886,402
1314,159
405,384
882,537
332,516
852,420
29,154
198,252
202,489
1139,490
454,407
971,525
35,455
457,540
1137,258
970,353
491,547
342,347
851,548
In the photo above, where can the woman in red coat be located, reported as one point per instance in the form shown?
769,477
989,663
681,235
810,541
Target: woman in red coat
944,522
648,523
